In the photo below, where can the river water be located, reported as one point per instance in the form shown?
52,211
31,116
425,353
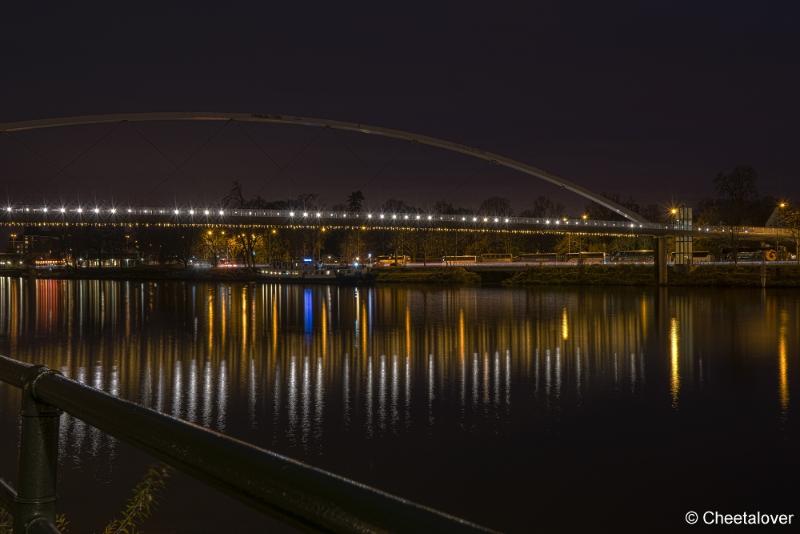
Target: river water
547,409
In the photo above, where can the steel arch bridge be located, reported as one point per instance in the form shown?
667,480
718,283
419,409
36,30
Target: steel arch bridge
11,127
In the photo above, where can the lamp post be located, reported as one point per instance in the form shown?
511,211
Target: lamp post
270,259
584,218
782,205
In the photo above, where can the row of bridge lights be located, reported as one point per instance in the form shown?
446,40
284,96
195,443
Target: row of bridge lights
113,211
222,212
305,214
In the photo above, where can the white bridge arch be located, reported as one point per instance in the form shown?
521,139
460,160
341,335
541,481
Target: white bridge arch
10,127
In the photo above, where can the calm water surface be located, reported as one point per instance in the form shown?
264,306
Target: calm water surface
546,409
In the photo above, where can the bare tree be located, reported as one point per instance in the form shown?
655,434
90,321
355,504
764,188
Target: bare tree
355,201
214,244
496,206
246,244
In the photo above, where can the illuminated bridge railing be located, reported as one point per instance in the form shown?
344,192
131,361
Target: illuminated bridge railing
21,214
291,491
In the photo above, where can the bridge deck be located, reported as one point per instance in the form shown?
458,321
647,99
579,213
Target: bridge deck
163,216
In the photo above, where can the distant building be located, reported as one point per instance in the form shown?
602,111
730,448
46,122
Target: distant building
33,245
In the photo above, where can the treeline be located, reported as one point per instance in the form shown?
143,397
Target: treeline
540,207
356,202
738,201
283,246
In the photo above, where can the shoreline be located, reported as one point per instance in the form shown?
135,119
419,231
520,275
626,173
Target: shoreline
742,275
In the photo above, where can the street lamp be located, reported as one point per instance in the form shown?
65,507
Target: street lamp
782,220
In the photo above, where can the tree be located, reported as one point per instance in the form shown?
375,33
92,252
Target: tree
737,186
307,201
443,207
245,244
273,247
394,205
355,201
598,212
543,207
736,194
496,206
235,197
738,202
214,245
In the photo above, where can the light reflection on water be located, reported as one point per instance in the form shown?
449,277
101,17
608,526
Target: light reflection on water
169,347
300,369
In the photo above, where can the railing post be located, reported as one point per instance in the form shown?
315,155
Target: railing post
38,457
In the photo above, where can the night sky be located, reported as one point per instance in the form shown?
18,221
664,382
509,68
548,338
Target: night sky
648,99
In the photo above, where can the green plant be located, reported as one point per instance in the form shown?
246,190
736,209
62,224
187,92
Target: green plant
142,502
5,521
62,524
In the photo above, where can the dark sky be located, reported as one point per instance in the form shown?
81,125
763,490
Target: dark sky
649,99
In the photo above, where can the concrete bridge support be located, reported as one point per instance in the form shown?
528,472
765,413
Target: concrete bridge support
661,253
683,242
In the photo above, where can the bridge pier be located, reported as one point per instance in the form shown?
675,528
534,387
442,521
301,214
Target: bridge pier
683,242
661,253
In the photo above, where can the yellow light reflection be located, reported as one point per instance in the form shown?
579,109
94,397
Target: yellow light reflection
364,327
674,360
274,323
461,335
783,381
244,319
324,321
408,330
224,303
210,327
564,324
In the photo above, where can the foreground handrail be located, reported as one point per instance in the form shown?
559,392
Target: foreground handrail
7,495
291,490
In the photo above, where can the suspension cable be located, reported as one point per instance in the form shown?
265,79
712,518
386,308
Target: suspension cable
83,152
152,144
293,158
190,156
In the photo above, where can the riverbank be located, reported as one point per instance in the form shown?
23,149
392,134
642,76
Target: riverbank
742,275
432,275
629,275
159,273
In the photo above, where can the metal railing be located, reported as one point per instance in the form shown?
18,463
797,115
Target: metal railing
302,495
